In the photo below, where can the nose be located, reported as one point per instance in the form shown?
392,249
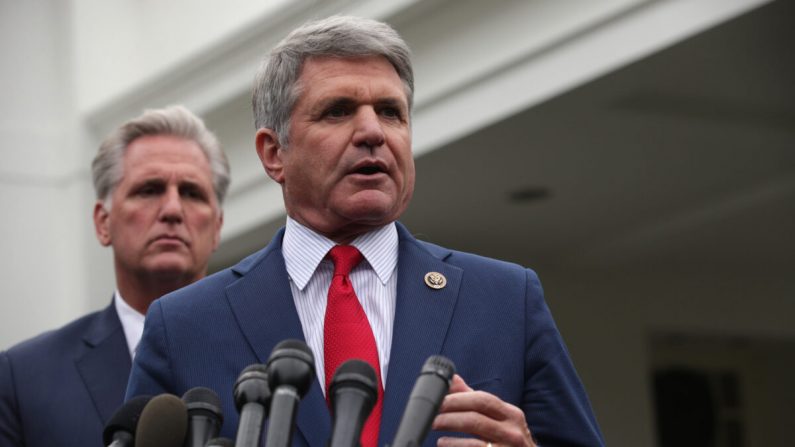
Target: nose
368,132
171,210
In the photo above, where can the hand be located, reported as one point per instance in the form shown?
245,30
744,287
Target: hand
483,415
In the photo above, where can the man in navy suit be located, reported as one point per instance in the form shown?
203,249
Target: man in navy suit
160,180
332,108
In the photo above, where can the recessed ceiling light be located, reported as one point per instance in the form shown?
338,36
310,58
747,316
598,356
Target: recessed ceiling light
528,194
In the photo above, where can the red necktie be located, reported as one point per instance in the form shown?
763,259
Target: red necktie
347,333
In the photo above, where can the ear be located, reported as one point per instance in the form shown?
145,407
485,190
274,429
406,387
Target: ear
270,154
102,224
218,225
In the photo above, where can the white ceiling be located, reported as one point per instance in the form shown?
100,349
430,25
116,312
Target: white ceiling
686,157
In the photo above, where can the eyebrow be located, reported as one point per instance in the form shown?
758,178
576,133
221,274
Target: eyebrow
393,102
159,181
192,184
149,181
348,101
326,103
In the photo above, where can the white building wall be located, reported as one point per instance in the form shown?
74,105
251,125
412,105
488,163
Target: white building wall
123,45
43,176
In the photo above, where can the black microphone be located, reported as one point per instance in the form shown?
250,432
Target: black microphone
204,415
220,442
291,370
353,393
163,423
424,401
252,396
120,429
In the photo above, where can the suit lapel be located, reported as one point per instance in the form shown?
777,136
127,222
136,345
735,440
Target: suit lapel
263,305
422,317
105,363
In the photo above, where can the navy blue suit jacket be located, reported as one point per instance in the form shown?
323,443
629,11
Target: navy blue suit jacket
490,319
61,387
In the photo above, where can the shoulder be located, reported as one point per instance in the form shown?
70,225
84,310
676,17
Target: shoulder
477,265
204,288
203,294
455,257
54,342
223,278
475,275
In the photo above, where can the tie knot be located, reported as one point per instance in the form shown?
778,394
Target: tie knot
345,258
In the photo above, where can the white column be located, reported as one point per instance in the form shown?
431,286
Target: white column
42,176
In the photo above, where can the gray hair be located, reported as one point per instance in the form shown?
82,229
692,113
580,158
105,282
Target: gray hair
178,121
276,88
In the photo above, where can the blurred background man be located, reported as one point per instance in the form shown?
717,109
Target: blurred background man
160,181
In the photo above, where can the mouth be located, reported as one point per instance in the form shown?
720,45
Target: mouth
170,238
369,168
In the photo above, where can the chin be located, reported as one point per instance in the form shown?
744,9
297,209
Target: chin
373,207
373,215
172,267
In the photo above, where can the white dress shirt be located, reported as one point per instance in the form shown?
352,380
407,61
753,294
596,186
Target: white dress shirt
374,280
132,322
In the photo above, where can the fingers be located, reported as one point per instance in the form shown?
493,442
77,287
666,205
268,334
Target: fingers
482,415
480,402
457,385
448,441
510,431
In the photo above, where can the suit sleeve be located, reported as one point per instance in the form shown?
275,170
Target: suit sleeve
151,369
555,403
10,426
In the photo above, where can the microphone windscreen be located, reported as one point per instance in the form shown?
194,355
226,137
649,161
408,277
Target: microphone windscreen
439,365
355,373
220,442
125,418
292,343
163,422
291,363
203,401
252,386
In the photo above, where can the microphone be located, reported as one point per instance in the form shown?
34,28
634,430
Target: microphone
424,401
353,393
120,429
252,396
163,422
204,415
291,369
220,442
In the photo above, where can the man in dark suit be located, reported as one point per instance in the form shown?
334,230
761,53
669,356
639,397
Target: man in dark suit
160,180
332,109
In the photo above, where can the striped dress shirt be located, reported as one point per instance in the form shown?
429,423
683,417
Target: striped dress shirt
374,280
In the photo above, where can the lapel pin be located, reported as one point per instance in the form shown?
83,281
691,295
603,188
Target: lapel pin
435,280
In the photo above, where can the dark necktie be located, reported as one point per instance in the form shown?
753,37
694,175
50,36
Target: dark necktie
347,333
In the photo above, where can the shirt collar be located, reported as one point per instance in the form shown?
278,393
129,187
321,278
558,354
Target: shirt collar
304,249
132,322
